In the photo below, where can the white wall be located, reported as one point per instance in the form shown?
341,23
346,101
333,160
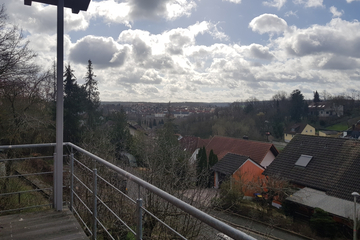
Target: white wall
268,159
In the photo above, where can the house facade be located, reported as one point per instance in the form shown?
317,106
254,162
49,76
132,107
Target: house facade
291,131
326,109
181,114
240,170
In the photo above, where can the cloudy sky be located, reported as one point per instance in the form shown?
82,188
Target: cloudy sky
203,50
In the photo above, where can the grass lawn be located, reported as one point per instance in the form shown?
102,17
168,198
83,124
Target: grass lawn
338,127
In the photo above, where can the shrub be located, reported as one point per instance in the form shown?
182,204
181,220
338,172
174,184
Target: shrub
323,223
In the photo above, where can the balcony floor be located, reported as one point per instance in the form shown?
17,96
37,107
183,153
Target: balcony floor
48,224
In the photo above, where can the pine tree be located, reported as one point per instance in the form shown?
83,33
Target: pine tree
119,131
213,159
74,102
201,167
91,85
70,80
316,97
92,93
297,106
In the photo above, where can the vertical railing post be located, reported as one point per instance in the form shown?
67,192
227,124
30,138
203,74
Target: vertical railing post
139,193
58,164
71,180
139,219
95,204
54,182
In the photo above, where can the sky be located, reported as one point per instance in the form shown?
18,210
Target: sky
203,50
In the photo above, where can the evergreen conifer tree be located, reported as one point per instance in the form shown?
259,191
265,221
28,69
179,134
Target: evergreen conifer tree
92,97
213,159
91,84
202,167
74,102
316,97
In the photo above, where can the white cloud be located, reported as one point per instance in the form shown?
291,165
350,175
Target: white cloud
40,18
310,3
275,3
260,52
350,1
233,1
104,52
179,8
156,9
339,37
335,12
44,46
111,11
172,65
268,23
291,13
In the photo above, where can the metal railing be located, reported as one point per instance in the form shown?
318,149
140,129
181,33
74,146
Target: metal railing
16,179
98,197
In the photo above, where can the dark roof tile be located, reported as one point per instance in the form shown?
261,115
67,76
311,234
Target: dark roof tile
334,168
229,163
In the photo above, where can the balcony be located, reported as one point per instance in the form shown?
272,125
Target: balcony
106,201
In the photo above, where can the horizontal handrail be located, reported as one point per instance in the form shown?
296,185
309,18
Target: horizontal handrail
35,145
20,192
25,158
26,174
25,208
211,221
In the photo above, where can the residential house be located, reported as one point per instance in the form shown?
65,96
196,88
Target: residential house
326,109
159,115
181,114
298,128
325,133
135,128
242,170
326,170
353,132
262,153
192,145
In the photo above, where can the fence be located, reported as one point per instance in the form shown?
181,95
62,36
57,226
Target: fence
112,203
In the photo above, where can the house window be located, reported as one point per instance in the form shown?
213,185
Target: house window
310,130
286,134
303,160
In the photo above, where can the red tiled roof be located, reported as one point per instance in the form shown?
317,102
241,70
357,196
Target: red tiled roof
255,150
203,142
189,143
